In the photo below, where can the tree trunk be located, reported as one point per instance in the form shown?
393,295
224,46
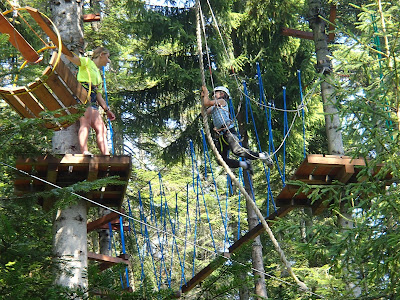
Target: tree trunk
332,121
70,236
257,253
104,235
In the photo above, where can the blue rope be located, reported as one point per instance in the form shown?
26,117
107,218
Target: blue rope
195,229
121,226
239,203
163,214
132,224
112,240
186,229
187,204
147,239
109,122
302,114
173,229
205,152
266,170
204,200
160,242
191,151
268,117
224,220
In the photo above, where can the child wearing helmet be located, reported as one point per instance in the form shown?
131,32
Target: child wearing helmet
227,135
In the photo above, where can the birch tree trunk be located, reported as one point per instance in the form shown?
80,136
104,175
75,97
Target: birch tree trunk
69,228
332,121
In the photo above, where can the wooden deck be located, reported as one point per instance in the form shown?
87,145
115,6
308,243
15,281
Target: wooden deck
73,168
315,169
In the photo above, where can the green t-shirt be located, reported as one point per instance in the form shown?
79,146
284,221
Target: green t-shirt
89,72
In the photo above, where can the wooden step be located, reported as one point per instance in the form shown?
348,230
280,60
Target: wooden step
107,261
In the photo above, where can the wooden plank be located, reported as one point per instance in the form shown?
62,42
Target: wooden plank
205,272
313,179
62,93
102,221
77,159
17,40
16,104
328,160
114,226
107,258
91,17
29,100
45,25
297,33
332,17
256,231
249,236
44,96
346,173
70,80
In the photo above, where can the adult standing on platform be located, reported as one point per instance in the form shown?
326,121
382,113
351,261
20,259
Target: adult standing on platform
90,77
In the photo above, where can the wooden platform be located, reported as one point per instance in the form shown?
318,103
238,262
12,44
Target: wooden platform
315,169
70,169
318,169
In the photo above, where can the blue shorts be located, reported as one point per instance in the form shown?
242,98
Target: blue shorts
93,94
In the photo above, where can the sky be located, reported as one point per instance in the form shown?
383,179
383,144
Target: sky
179,3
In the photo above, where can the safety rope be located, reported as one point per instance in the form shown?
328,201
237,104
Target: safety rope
109,121
227,169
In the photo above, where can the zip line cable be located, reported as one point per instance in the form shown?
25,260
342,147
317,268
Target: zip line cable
144,223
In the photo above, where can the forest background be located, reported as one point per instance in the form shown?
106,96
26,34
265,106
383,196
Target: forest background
153,87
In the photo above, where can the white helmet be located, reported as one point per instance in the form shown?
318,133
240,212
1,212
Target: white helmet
223,89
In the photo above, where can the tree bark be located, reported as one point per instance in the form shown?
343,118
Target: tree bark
332,121
70,236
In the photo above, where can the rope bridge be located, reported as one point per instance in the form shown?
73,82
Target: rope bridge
57,89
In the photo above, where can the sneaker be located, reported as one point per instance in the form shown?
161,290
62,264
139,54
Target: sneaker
264,156
249,167
87,153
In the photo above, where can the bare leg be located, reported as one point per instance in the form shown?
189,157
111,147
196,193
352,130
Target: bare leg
84,128
101,133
